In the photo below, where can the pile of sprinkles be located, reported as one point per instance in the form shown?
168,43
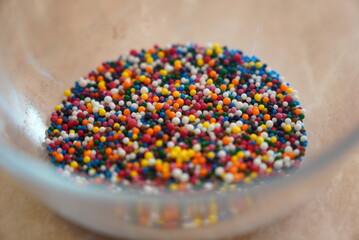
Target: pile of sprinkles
181,117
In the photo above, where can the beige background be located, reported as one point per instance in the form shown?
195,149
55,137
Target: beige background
333,213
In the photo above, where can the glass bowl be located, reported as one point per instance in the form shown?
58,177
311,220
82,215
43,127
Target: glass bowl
46,45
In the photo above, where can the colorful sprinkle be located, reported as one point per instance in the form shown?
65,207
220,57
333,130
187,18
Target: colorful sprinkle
184,117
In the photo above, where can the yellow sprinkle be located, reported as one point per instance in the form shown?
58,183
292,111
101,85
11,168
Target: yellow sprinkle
257,97
101,84
176,94
159,143
253,175
149,60
240,154
287,128
259,140
211,155
268,170
144,96
206,124
258,64
161,54
193,92
200,62
96,129
250,64
102,112
58,108
74,164
144,162
273,139
87,159
212,218
236,129
148,155
142,78
219,107
135,136
173,186
289,90
163,72
253,137
209,81
67,93
164,91
72,131
55,131
209,52
192,118
125,74
134,174
103,139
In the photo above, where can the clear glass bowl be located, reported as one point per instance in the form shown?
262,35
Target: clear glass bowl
45,46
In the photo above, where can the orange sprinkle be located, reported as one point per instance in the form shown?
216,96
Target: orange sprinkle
108,151
214,96
245,127
226,101
171,115
150,131
100,68
180,101
269,84
223,87
283,87
157,128
126,112
212,74
155,99
59,121
265,99
135,131
141,109
256,112
100,78
71,150
165,137
158,106
211,63
169,102
297,111
266,117
176,105
192,87
126,84
59,157
238,177
147,80
245,116
226,140
203,172
148,70
123,118
235,81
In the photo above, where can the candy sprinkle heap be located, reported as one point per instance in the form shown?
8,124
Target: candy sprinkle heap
182,117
